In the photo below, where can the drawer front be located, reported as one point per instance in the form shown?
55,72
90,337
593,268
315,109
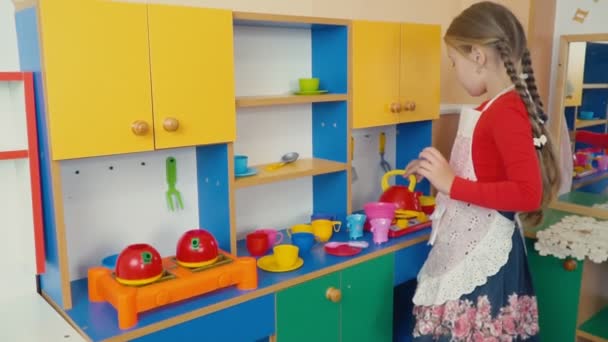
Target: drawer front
305,314
408,262
246,322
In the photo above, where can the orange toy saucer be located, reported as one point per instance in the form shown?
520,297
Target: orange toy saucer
176,284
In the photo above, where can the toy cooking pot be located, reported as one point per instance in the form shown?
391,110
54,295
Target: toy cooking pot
138,264
403,196
196,248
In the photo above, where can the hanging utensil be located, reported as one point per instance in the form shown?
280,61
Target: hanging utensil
285,159
385,165
172,193
352,157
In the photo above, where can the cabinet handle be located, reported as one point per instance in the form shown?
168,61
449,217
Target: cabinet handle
333,294
410,106
140,127
570,265
395,107
170,124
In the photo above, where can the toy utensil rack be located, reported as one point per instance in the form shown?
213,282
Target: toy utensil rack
183,283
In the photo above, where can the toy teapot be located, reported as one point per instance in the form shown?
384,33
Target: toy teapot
403,196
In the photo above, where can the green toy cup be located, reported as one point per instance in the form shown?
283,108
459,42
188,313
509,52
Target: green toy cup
309,84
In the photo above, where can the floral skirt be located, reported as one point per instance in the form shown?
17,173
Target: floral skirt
503,309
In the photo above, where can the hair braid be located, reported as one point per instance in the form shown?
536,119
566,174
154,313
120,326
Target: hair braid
520,86
526,62
546,155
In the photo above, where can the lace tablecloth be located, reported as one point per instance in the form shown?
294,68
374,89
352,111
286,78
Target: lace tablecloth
575,236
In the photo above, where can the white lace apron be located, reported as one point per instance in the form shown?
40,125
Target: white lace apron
470,243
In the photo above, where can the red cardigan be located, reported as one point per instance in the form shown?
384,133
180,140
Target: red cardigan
504,158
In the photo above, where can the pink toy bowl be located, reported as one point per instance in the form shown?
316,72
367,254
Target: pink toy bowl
380,210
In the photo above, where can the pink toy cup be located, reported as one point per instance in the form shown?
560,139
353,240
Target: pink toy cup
582,158
602,163
274,237
380,228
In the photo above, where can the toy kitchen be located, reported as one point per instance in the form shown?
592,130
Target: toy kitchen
239,192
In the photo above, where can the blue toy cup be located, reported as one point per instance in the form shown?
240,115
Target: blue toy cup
304,241
240,164
354,225
322,216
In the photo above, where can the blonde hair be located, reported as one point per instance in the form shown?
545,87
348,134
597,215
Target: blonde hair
492,25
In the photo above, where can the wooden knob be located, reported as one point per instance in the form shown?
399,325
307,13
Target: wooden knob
140,127
570,265
170,124
395,107
333,294
410,106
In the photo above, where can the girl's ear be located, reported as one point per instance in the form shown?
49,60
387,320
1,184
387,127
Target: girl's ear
478,55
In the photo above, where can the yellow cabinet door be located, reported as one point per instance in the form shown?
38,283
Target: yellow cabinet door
420,68
97,77
192,58
376,50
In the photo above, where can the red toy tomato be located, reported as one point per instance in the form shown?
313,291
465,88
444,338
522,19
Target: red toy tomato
197,248
138,264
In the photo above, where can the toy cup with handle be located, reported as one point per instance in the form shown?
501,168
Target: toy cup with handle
323,229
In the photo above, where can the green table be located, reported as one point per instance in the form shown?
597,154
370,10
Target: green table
558,288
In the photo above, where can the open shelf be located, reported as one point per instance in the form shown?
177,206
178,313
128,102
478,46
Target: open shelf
301,168
9,155
578,183
595,329
590,123
595,86
259,101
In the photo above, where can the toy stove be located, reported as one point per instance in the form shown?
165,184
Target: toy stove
176,284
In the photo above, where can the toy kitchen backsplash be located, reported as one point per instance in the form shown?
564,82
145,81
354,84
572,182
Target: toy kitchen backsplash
111,202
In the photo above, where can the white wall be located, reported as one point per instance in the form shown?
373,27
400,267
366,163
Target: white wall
16,228
9,57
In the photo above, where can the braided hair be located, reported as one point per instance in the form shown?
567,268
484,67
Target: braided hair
493,25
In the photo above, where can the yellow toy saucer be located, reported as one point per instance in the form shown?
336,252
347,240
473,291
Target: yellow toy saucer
268,263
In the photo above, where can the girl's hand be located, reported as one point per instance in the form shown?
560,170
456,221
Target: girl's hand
436,169
412,168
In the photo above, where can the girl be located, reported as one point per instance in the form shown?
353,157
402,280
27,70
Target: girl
475,284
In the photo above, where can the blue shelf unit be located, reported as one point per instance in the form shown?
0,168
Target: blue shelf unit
30,59
593,100
412,138
596,63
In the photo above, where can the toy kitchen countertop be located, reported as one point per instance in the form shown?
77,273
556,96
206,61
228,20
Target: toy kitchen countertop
99,322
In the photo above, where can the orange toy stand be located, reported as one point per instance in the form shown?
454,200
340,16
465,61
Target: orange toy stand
176,284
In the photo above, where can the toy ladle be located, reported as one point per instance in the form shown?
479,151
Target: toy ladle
285,159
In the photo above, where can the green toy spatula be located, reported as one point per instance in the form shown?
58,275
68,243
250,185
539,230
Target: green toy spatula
172,194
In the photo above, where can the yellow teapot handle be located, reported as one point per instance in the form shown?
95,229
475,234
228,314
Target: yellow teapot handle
389,174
